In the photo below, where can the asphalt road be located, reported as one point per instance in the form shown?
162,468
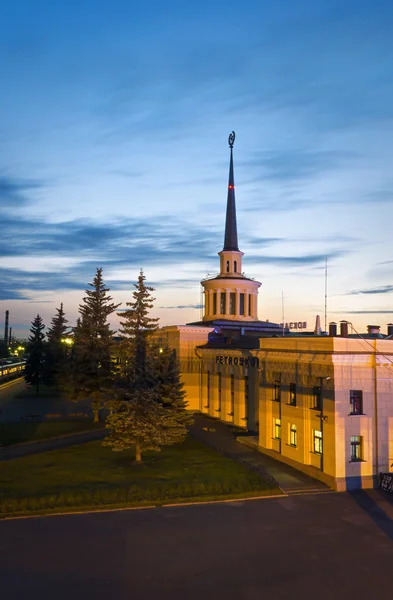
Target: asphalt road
330,546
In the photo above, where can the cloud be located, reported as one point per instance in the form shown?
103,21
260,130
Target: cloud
184,306
385,289
295,261
364,312
13,191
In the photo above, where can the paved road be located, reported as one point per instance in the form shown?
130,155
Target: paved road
328,546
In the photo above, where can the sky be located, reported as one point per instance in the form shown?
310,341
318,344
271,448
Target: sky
114,120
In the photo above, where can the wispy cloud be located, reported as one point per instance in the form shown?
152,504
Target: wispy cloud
14,192
385,289
184,306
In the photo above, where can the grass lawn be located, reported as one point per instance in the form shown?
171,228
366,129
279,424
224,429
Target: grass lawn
93,476
43,392
17,433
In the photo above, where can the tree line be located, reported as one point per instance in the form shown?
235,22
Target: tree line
140,389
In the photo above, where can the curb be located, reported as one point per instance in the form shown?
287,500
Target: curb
150,506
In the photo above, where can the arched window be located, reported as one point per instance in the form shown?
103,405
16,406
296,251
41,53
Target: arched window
227,266
235,266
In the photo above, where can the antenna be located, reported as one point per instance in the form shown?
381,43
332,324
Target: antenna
282,311
326,288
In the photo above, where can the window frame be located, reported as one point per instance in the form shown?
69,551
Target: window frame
356,448
317,397
276,391
317,442
293,435
292,394
276,428
352,397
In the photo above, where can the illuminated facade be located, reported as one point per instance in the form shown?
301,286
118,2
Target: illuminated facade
323,404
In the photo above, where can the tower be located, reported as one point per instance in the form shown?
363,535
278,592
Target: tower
230,295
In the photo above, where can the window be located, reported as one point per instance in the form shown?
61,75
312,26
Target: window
223,301
219,393
293,435
356,402
356,448
249,305
292,394
246,397
235,266
214,303
241,309
277,391
317,442
232,394
227,266
316,398
232,303
277,429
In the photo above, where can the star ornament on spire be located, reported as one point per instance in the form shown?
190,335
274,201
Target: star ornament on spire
231,139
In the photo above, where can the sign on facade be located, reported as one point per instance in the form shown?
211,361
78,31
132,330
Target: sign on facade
295,325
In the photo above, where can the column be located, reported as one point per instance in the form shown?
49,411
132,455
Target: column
210,293
207,308
246,303
255,311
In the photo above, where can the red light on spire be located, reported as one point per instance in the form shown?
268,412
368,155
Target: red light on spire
231,187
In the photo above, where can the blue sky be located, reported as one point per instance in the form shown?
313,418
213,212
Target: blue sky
114,118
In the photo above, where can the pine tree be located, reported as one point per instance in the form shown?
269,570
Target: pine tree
91,373
57,349
35,364
137,327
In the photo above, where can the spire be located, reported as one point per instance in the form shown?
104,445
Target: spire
230,241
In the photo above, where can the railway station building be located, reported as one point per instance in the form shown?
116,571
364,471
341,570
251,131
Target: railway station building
320,401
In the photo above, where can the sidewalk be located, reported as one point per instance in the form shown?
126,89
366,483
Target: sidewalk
218,435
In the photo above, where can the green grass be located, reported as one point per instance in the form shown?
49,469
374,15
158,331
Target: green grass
93,476
17,433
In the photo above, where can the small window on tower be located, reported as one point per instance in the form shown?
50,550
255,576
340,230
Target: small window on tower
227,266
235,266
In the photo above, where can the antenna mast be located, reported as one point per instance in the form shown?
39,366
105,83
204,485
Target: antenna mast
282,310
326,283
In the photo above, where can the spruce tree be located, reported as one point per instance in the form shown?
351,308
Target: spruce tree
35,365
91,373
148,409
57,349
136,328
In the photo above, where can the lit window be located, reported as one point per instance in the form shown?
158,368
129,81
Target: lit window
316,398
277,429
356,402
277,391
317,442
356,448
293,435
292,394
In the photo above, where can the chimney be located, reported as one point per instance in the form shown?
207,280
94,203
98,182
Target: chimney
373,328
7,312
317,329
10,336
333,329
390,328
344,328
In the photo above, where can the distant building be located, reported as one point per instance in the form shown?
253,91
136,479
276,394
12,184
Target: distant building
322,403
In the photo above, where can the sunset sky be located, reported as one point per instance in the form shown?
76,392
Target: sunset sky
114,119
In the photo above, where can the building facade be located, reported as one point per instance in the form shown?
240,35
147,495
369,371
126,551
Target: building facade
322,403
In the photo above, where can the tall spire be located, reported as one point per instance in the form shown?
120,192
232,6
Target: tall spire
230,241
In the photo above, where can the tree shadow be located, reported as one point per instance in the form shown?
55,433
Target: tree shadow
370,506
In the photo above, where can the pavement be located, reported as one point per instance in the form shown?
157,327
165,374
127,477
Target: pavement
221,437
326,546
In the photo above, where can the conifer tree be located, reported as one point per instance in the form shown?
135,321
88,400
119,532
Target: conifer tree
136,327
35,365
91,373
57,349
151,408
